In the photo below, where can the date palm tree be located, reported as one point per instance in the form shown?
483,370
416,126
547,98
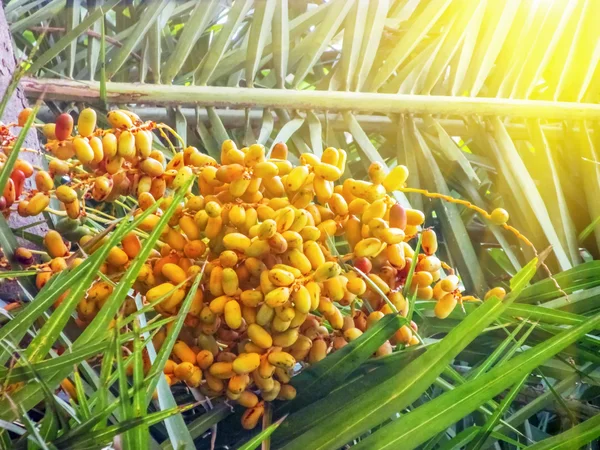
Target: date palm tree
494,103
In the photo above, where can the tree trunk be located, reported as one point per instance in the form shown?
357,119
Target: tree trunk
9,290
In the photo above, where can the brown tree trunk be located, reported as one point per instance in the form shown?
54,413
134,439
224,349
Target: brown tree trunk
18,100
10,290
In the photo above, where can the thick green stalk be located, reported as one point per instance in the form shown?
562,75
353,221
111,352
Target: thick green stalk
233,97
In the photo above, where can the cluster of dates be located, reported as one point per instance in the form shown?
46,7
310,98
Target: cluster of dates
275,294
